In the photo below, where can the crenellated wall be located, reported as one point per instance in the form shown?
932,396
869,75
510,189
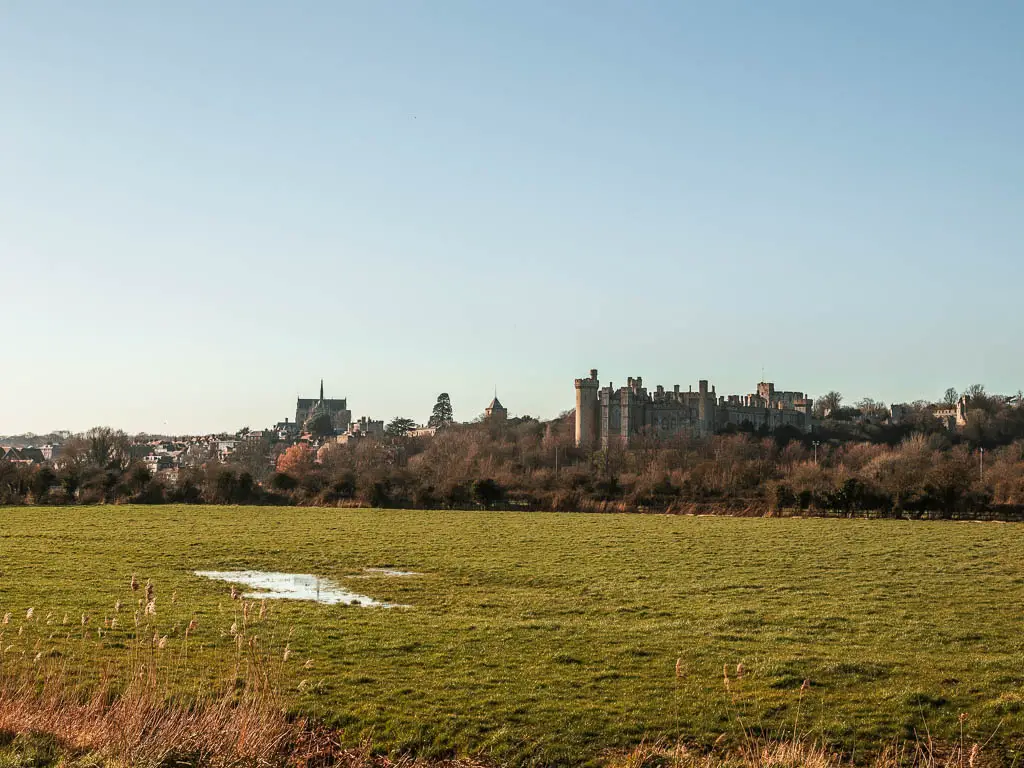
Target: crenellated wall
605,415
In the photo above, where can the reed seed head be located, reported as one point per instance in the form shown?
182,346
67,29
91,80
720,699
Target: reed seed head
7,618
30,613
134,583
679,667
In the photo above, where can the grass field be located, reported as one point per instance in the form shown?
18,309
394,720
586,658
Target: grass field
543,638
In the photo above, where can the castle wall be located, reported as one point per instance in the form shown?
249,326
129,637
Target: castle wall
606,416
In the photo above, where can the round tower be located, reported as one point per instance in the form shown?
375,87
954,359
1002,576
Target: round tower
587,406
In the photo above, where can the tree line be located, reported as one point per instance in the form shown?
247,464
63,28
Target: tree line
915,468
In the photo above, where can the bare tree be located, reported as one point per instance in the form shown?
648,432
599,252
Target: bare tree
108,448
828,403
975,391
875,409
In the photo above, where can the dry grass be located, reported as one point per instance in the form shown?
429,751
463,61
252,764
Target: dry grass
133,713
141,726
802,753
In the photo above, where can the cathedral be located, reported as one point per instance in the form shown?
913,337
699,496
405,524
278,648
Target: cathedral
307,408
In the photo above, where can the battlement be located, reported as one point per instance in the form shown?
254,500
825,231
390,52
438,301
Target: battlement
603,413
590,383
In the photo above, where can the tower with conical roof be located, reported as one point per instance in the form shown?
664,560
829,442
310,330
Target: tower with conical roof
495,411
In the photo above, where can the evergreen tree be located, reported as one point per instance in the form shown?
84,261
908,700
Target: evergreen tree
442,414
399,427
319,425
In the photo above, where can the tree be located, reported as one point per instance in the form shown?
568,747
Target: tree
320,425
107,448
399,427
296,461
487,492
874,409
975,391
828,404
442,415
951,396
283,482
253,456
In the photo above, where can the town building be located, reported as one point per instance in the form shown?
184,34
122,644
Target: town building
953,417
365,427
158,462
24,456
51,451
608,415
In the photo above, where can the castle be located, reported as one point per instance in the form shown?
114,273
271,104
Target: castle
606,414
307,408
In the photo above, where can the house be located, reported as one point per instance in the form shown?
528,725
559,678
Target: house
26,456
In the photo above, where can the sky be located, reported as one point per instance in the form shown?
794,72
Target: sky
205,208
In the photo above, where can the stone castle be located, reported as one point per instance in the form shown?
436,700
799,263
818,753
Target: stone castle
604,415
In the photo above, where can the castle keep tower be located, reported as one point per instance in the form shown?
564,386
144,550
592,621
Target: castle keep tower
587,410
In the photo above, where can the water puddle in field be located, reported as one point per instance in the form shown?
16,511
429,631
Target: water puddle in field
295,586
387,572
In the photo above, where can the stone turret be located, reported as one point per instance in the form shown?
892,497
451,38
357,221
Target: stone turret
587,407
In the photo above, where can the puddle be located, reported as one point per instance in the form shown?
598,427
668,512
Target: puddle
389,572
294,586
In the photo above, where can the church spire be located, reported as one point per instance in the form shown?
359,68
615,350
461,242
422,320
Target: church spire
321,390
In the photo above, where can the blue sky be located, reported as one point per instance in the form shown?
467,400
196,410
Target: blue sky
207,207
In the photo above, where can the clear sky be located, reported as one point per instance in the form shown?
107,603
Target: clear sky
205,207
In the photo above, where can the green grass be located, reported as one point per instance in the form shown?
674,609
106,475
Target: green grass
542,638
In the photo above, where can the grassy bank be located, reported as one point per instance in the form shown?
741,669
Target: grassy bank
555,638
